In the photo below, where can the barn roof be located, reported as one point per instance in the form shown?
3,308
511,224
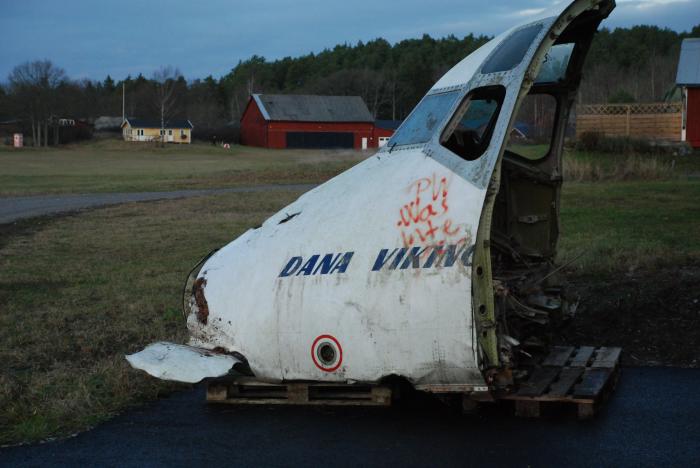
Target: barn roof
312,108
155,123
689,63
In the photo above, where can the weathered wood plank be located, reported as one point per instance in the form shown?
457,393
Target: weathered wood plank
295,393
652,125
527,408
257,391
538,382
567,379
217,392
298,393
592,383
558,356
280,401
606,357
586,410
582,356
381,395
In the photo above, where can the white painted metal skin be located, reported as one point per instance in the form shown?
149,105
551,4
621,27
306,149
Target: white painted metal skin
319,273
171,361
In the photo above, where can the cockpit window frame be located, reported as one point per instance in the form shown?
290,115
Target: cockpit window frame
512,51
447,111
496,92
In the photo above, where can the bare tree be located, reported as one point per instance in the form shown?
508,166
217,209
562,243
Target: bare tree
371,85
165,81
34,85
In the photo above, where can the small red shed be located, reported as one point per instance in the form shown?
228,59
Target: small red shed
303,121
688,78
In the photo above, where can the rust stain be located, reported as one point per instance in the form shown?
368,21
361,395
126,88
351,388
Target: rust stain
200,300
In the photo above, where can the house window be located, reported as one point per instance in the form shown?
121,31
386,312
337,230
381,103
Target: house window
140,132
170,133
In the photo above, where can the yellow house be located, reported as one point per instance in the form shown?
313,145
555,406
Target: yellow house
176,130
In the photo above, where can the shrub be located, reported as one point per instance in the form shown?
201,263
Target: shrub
621,97
223,134
588,141
598,142
618,168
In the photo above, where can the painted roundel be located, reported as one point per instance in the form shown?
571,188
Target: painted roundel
327,353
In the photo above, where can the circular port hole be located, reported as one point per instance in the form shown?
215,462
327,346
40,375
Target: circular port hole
326,354
479,271
482,309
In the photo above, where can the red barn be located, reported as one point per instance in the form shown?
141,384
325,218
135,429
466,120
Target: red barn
688,78
384,130
299,121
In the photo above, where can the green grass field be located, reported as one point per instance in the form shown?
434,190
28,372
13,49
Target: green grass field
118,166
618,226
78,292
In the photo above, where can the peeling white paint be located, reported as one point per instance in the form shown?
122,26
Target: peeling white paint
169,361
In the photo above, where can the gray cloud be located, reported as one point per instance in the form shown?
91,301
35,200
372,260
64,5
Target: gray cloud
92,39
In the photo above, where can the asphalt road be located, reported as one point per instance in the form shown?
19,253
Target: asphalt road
14,208
653,419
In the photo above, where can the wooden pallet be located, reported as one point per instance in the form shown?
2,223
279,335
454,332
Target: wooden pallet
249,392
584,376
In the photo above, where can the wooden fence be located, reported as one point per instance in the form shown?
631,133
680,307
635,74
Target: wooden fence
655,121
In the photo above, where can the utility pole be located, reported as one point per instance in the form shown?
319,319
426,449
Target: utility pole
162,124
123,102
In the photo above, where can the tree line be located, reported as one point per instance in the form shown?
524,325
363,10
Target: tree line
636,64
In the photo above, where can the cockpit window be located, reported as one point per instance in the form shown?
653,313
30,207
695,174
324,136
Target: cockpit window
556,61
469,132
512,50
425,119
531,135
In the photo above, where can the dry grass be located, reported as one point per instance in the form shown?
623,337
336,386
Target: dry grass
610,168
77,293
118,166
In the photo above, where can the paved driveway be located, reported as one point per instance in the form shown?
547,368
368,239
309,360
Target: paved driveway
14,208
653,419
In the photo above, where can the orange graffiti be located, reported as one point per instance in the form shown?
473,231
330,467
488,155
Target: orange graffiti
424,219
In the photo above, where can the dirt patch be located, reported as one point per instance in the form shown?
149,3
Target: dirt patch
652,315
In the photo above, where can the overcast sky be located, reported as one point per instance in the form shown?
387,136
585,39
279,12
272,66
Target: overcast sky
93,38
